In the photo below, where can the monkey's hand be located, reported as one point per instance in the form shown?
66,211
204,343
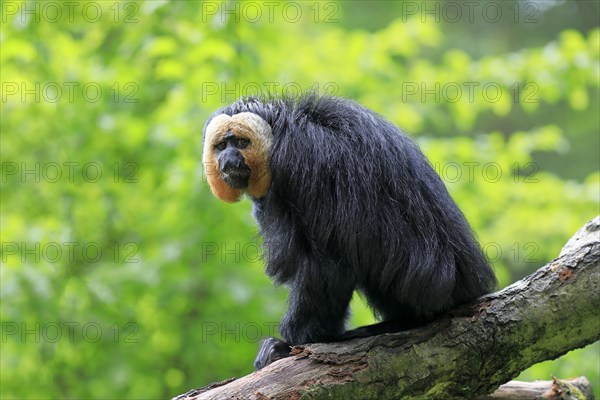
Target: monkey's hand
271,349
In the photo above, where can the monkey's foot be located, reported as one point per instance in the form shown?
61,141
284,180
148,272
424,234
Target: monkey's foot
271,349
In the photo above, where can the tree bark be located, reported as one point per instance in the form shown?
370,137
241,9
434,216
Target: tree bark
467,354
576,389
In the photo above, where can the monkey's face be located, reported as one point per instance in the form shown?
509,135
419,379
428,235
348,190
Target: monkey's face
236,156
232,166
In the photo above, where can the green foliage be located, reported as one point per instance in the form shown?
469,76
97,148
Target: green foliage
123,277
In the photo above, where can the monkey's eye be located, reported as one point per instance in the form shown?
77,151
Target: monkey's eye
242,143
221,146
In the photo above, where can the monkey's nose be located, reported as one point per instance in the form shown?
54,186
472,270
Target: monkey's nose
233,164
229,166
231,161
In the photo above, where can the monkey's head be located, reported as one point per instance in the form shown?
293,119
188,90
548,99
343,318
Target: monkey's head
236,156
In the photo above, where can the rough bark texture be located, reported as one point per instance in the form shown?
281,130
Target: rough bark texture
576,389
468,354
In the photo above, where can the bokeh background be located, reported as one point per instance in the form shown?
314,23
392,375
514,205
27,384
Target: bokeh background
123,277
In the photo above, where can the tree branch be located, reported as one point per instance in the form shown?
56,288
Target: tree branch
556,389
467,354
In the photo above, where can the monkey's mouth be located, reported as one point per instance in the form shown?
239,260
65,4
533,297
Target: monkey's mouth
237,178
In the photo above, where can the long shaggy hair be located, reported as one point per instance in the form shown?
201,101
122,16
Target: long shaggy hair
354,204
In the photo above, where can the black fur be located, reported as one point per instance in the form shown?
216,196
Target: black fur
354,204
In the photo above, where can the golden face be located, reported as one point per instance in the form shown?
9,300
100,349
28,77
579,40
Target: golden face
257,135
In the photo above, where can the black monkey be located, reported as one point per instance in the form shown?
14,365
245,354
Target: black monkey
344,201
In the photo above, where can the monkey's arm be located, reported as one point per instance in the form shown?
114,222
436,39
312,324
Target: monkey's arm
318,306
